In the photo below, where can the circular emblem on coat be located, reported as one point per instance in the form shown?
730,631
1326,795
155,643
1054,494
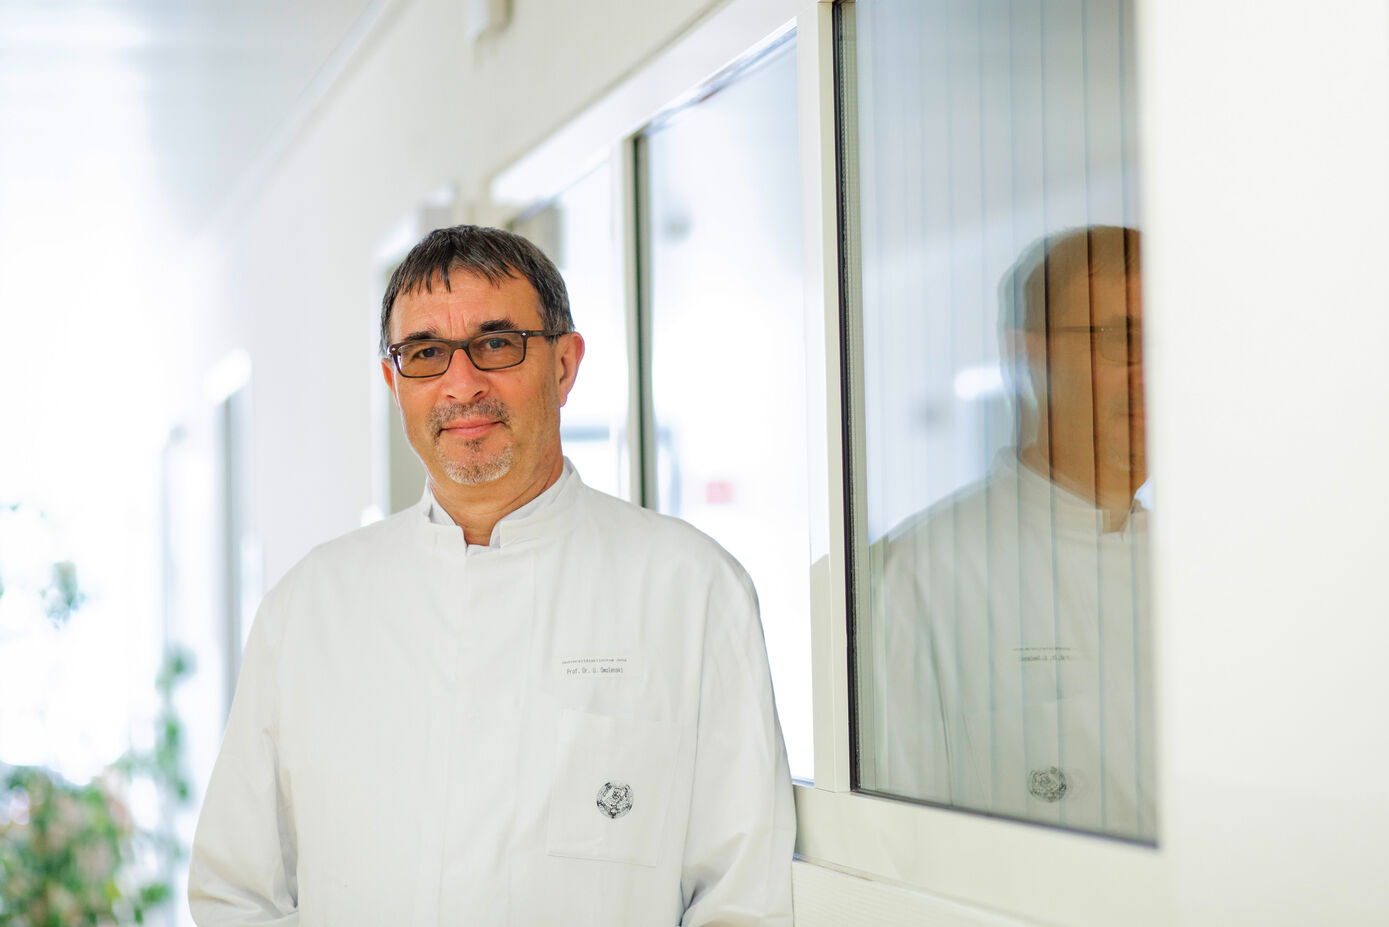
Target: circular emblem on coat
1047,784
615,799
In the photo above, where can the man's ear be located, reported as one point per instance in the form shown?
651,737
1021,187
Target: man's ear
569,353
388,374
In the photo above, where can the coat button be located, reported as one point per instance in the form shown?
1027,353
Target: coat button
1047,784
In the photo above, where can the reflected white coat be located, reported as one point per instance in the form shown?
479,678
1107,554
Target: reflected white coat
422,731
1009,658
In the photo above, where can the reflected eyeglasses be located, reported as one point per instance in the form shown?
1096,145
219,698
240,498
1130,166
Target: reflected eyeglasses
430,357
1117,343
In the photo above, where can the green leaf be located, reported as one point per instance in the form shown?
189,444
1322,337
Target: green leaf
62,597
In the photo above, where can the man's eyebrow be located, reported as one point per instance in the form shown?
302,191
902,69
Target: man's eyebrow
491,325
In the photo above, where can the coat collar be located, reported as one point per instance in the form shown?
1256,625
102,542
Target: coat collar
546,514
1065,509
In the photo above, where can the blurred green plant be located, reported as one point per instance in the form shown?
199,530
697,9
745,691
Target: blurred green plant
59,595
62,597
163,763
63,850
72,854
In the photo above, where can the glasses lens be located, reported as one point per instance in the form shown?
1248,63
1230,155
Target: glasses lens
424,358
497,349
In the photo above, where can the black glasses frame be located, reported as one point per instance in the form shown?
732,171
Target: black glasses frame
1106,349
464,345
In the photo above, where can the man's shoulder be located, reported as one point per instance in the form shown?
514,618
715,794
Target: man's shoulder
350,553
642,531
333,571
641,525
965,508
371,537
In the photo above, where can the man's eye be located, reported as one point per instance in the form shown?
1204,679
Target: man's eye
423,352
494,344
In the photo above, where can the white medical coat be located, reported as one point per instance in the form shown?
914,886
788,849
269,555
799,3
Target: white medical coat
422,732
1011,658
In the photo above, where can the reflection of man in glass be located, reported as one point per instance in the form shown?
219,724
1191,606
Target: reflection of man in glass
1011,618
1081,414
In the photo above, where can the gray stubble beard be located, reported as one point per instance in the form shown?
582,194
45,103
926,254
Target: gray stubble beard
484,471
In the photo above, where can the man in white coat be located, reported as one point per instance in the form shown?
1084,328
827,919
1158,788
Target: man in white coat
520,702
1010,621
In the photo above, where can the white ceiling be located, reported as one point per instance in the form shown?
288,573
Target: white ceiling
152,106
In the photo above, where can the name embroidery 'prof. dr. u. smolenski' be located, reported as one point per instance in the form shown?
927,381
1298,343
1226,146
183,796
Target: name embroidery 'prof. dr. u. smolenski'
580,667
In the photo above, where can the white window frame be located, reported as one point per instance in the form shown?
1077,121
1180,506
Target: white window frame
957,867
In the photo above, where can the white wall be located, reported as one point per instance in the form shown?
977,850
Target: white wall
1266,141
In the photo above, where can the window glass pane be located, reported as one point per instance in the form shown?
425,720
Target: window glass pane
577,230
1002,639
727,351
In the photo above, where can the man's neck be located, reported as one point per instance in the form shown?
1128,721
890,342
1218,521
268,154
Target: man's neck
1113,497
477,508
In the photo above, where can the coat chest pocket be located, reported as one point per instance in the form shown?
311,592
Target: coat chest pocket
612,787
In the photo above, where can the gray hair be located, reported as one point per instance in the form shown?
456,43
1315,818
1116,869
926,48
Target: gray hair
494,254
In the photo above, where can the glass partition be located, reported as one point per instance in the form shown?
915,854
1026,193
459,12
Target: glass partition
723,268
993,272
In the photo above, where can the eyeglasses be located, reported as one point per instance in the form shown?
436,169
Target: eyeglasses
429,357
1117,343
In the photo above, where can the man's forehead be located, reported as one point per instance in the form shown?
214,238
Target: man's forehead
1107,293
469,298
465,280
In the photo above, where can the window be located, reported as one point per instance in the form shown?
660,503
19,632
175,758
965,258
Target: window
1001,637
723,239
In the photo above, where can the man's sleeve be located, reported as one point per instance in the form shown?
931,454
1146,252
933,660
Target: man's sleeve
242,870
742,826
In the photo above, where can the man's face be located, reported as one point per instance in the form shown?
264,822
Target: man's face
475,427
1090,388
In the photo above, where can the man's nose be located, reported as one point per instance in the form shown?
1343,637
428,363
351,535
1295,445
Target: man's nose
463,380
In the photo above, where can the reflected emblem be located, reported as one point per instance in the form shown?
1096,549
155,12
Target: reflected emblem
1047,784
615,799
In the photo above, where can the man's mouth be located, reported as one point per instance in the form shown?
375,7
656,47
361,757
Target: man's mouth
468,422
469,430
